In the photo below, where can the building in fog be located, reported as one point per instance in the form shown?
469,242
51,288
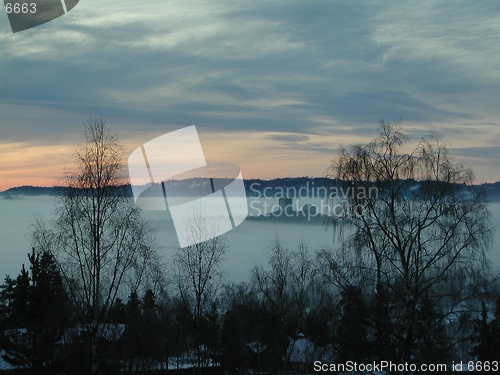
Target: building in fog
286,203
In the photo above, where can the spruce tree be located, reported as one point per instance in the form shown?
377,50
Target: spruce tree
486,340
36,313
431,342
352,333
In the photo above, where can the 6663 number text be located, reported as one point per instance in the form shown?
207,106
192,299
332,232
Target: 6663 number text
20,8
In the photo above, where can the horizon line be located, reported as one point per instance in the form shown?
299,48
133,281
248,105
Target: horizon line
190,178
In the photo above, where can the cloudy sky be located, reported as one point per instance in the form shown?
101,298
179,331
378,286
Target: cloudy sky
272,86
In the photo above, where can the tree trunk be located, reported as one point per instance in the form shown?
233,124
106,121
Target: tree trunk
94,347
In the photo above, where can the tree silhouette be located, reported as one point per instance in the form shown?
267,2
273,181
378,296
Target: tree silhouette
199,276
352,333
487,335
37,312
412,227
102,244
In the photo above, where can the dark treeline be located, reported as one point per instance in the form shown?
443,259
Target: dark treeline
278,187
287,316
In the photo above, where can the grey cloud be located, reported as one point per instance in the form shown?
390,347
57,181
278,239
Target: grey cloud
490,152
298,61
289,137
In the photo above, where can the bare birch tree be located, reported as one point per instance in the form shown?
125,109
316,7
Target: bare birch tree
414,230
199,276
99,238
290,291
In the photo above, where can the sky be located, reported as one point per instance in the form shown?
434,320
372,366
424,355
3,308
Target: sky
275,87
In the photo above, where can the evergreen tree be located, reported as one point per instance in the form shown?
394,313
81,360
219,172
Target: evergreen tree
430,336
133,303
352,333
495,326
242,325
143,340
383,337
6,298
36,312
487,335
117,312
149,301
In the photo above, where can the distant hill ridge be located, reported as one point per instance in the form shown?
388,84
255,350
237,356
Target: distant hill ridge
254,187
29,190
